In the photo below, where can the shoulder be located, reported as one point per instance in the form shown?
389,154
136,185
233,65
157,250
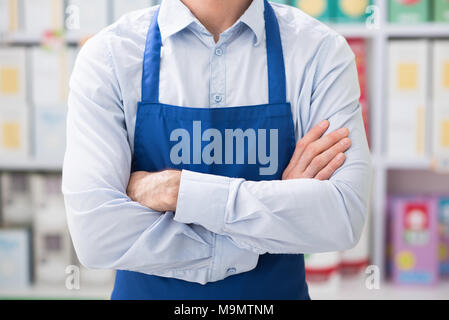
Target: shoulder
130,29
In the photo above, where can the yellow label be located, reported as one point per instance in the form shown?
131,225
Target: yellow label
407,76
444,252
13,23
9,80
11,135
314,8
446,75
420,130
445,133
353,8
405,260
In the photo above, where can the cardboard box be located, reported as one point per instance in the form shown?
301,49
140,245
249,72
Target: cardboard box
349,11
355,260
52,244
121,7
41,16
14,259
441,10
14,138
50,134
440,122
12,76
322,269
407,98
358,46
319,9
409,11
443,211
16,199
415,240
50,72
8,16
85,18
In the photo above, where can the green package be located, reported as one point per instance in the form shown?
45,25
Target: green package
319,9
348,11
409,11
441,11
282,1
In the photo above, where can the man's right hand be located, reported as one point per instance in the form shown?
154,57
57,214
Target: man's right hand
317,156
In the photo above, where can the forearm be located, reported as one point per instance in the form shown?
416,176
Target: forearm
293,216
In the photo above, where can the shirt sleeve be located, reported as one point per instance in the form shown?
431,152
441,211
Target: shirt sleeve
108,229
302,215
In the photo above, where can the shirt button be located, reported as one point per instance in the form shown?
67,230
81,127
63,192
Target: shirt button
218,98
231,270
219,51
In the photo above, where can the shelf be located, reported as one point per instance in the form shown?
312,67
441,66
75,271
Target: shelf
417,30
30,165
34,39
355,289
51,292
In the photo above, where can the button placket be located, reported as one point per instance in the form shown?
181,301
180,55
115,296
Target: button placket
218,77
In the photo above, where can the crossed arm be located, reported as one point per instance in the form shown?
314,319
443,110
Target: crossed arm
315,157
237,220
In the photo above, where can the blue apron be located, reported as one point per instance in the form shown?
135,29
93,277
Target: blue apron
277,276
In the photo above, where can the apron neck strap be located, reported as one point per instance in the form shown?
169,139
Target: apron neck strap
275,60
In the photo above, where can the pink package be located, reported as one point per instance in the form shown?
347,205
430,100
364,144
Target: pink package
415,240
443,210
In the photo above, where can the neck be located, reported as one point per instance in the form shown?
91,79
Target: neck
217,15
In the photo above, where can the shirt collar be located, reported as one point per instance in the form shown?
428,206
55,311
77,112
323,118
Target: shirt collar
174,16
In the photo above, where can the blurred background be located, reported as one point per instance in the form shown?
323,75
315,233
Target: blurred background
402,50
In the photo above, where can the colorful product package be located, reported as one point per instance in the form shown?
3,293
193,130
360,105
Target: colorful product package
408,89
443,212
441,10
319,9
409,11
14,259
348,11
282,1
358,46
322,269
415,240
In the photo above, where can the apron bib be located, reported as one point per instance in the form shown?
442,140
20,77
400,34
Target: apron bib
206,140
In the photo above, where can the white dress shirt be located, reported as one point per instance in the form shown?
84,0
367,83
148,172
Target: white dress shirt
222,224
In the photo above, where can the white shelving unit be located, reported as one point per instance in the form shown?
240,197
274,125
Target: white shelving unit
377,72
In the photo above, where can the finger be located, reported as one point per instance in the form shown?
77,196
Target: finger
330,169
314,134
319,146
321,161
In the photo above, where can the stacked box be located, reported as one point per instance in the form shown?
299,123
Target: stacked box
415,240
443,211
440,138
52,244
14,259
41,16
355,260
409,11
85,18
319,9
8,16
12,76
407,98
441,11
322,269
121,7
282,1
358,46
348,11
16,199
